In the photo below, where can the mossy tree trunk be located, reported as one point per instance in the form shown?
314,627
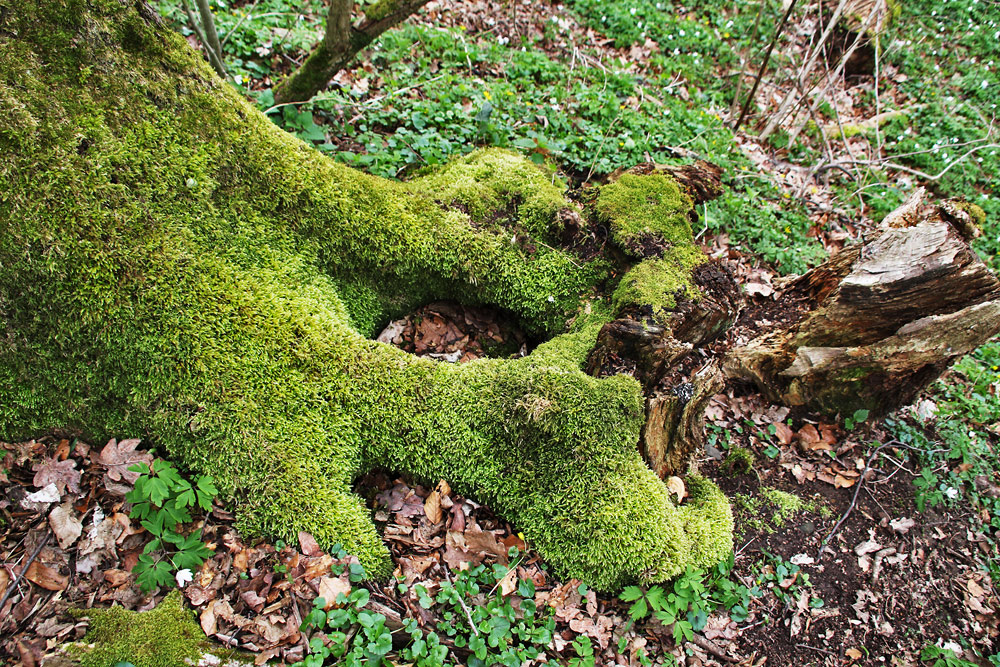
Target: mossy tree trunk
342,41
173,265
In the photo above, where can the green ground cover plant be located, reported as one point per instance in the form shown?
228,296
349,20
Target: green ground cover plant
475,617
162,501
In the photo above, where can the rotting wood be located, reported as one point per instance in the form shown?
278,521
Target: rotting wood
881,320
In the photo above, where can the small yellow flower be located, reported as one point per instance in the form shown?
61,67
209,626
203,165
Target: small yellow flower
725,35
521,536
487,95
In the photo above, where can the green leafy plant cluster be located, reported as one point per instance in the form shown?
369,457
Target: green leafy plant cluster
944,657
957,457
475,619
685,605
784,579
162,500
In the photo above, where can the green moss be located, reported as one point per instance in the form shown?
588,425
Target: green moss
497,187
739,461
174,266
653,206
975,212
166,636
381,9
657,284
770,509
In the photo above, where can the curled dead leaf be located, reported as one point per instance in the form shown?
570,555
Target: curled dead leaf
65,525
676,487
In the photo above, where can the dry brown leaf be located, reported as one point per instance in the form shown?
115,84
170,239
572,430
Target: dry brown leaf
317,567
842,482
826,477
61,473
308,544
118,456
46,577
253,600
784,433
66,527
207,620
975,590
508,584
853,654
116,578
485,542
811,440
330,588
432,507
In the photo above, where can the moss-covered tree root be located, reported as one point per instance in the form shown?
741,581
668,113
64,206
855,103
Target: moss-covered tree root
173,265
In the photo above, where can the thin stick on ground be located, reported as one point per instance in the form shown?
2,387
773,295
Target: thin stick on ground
857,490
34,554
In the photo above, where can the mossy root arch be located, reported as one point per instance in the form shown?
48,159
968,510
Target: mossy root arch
172,264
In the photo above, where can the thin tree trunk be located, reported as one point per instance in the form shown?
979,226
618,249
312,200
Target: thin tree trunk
341,43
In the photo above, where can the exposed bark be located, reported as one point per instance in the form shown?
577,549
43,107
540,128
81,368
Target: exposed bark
881,320
341,43
674,432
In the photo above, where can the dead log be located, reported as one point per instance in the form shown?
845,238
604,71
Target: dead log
878,322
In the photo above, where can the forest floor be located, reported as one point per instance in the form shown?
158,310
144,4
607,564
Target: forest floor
856,542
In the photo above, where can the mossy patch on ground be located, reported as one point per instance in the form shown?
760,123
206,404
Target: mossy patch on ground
652,206
166,636
769,509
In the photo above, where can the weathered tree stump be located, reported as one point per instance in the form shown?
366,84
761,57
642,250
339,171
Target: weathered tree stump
881,320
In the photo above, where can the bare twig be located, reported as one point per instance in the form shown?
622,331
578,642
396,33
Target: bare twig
712,648
24,569
857,489
833,78
213,58
739,75
803,73
816,648
909,170
763,65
